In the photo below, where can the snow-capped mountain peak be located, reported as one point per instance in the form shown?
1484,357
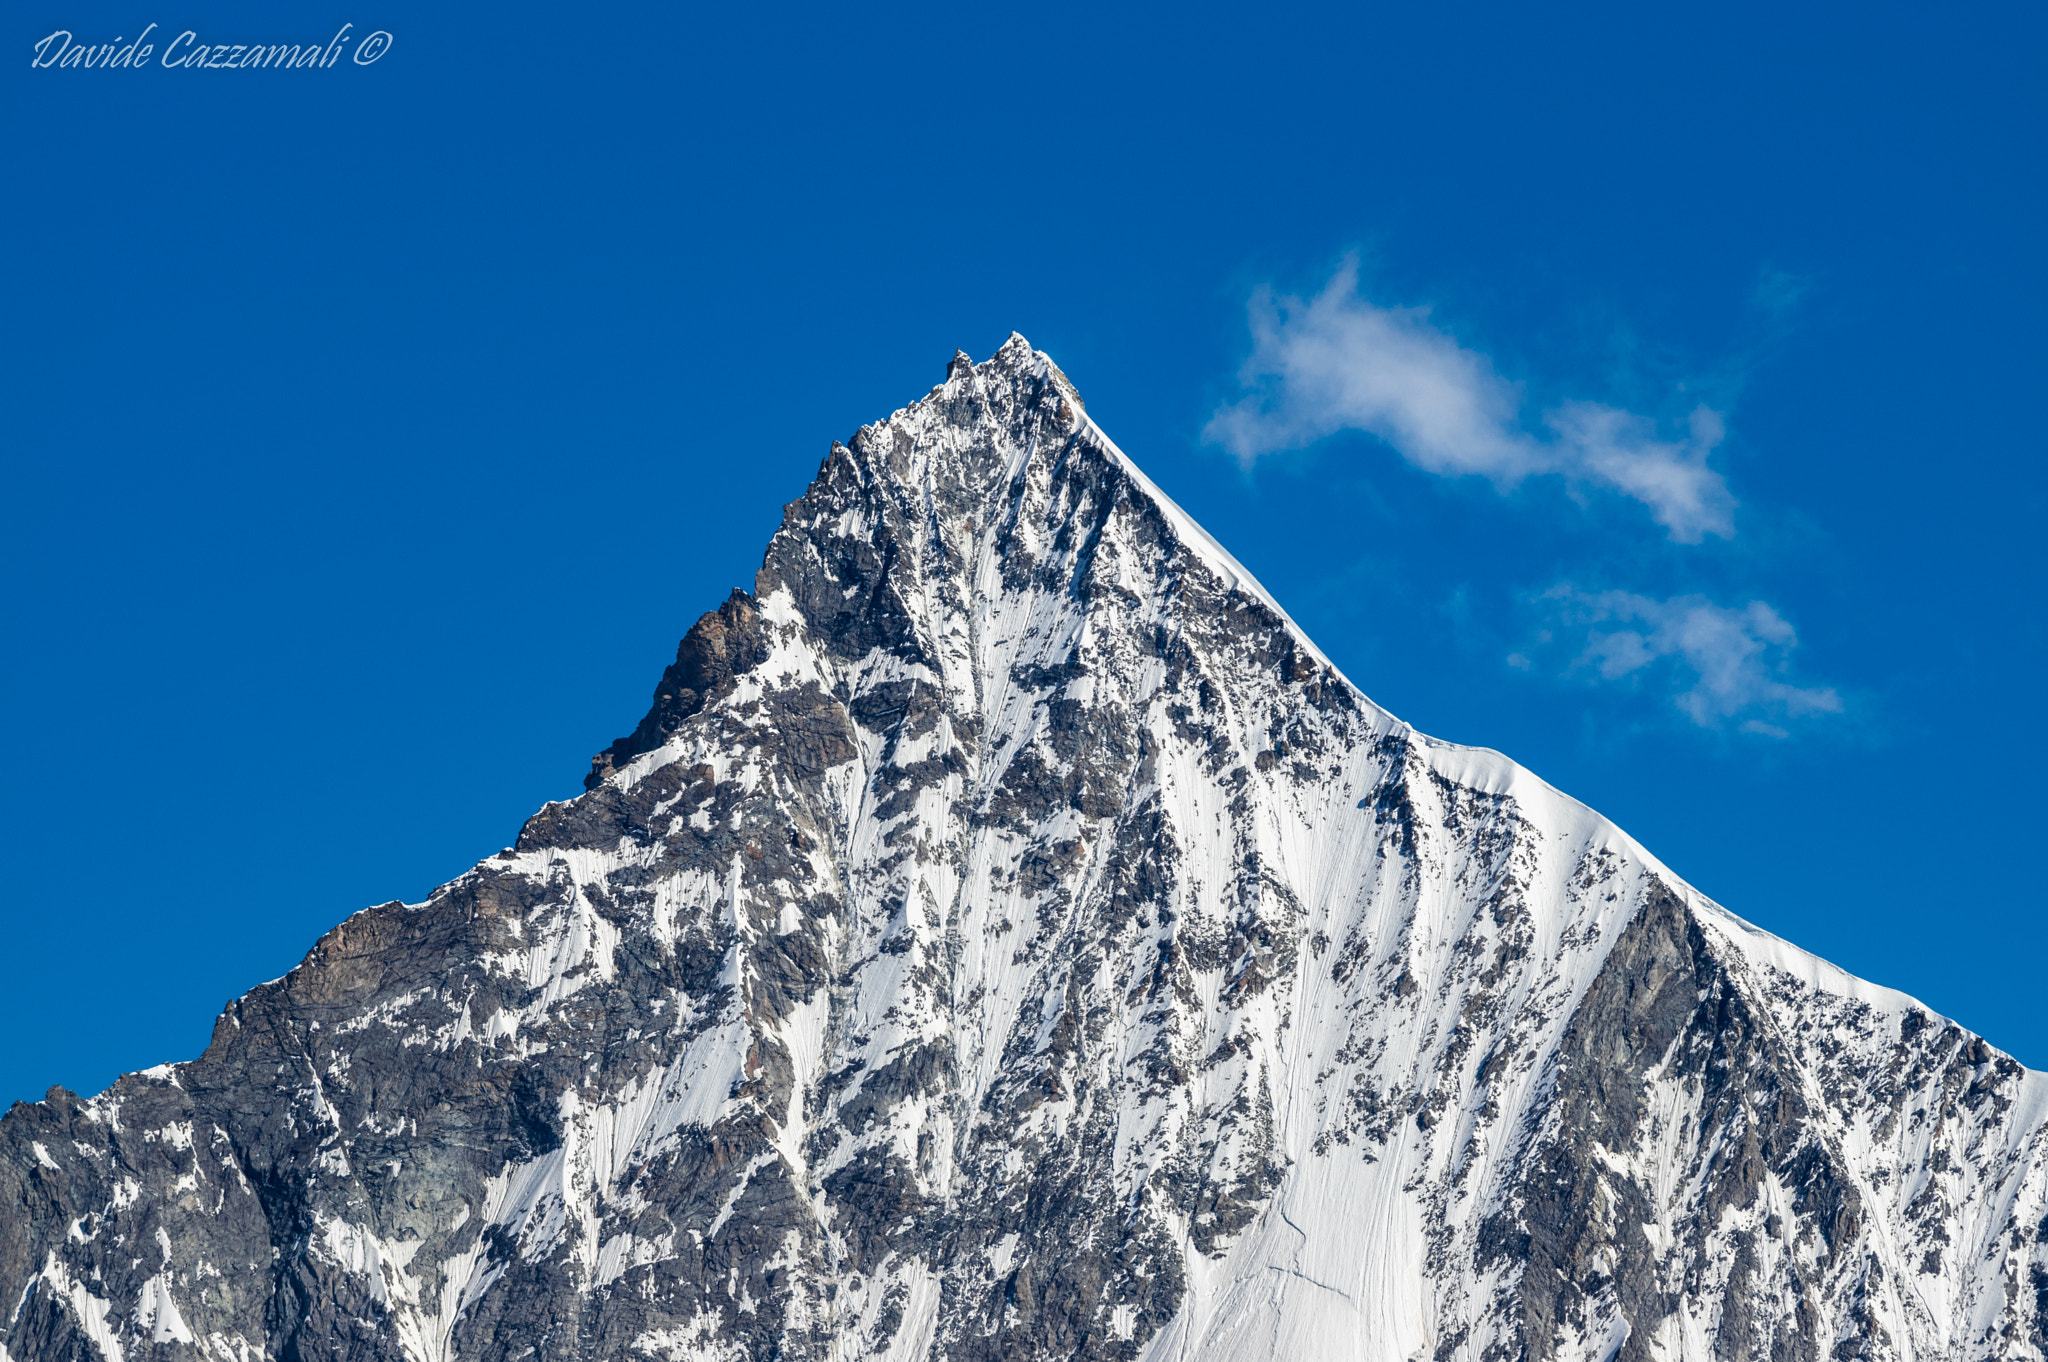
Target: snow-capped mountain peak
1006,935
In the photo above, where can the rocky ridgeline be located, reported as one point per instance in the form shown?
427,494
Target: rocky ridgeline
1007,937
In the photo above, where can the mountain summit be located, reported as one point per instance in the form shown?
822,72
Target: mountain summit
1006,936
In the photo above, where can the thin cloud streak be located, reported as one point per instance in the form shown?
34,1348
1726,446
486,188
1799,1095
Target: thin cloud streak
1339,362
1726,664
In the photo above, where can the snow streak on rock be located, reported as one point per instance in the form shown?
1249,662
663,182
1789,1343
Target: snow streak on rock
1007,937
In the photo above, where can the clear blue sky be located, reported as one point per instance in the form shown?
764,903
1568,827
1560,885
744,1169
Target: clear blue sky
375,431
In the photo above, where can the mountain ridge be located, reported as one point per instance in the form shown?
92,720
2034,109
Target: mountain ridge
1006,935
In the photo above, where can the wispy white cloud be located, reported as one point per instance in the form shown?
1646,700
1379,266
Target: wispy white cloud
1338,361
1725,665
1778,293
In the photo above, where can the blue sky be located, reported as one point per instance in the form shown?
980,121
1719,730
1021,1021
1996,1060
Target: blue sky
1654,397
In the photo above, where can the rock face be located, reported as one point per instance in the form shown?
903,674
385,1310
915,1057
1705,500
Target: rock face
1007,937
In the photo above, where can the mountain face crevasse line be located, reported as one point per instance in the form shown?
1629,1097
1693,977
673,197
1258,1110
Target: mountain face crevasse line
1007,937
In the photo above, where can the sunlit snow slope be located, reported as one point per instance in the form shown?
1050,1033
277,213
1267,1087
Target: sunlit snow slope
1007,937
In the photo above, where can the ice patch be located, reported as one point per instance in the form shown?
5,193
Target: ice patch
156,1314
90,1311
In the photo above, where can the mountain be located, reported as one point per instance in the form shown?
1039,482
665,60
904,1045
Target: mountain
1007,937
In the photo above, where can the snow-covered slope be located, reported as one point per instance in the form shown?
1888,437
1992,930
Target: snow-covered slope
1007,937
